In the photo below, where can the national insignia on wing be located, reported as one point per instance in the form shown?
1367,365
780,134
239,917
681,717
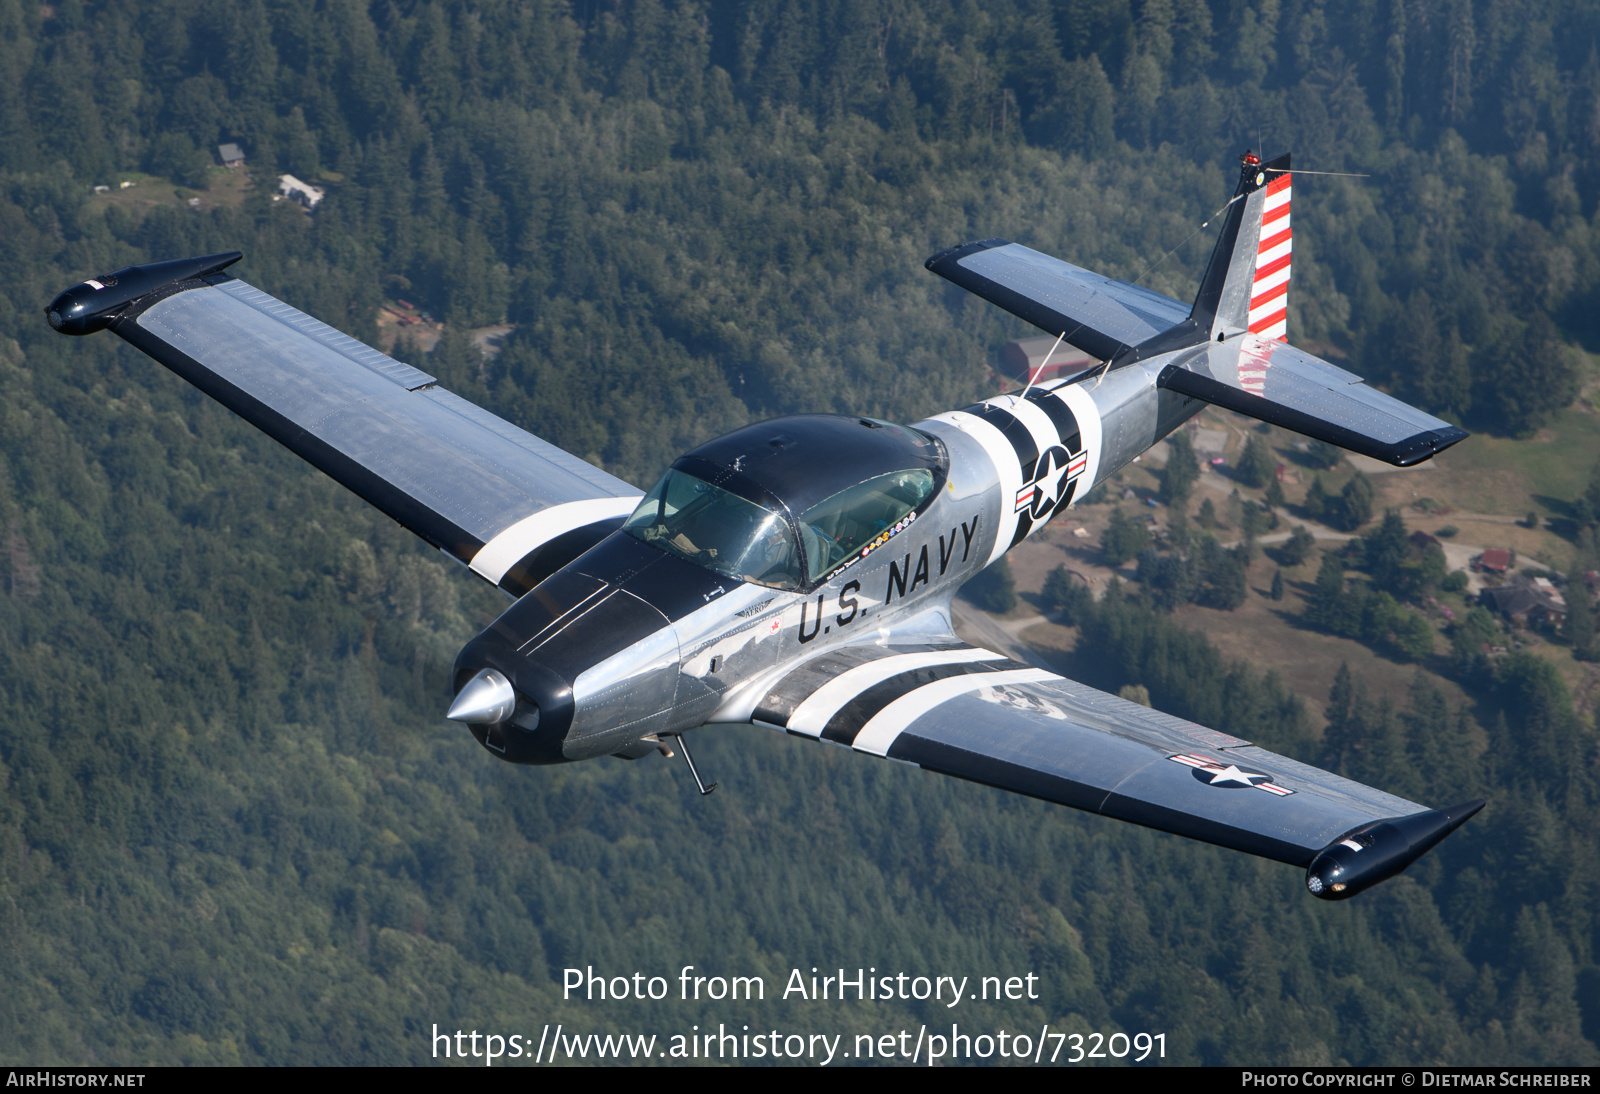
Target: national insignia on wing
1230,776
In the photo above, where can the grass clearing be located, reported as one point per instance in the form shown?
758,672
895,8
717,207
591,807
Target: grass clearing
1508,477
224,189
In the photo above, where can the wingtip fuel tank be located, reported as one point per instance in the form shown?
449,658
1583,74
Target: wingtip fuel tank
92,305
1379,850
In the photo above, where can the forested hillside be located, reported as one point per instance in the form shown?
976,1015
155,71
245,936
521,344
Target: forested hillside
234,824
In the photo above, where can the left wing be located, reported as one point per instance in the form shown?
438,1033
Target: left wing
968,712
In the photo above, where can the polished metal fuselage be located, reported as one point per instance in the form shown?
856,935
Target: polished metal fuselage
712,661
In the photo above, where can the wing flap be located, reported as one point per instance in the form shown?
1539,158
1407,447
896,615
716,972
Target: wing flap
1100,315
510,505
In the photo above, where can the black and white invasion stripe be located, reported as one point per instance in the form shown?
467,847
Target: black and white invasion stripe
1045,449
865,697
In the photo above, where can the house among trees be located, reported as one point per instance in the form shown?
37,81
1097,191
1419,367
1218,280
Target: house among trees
1495,560
295,190
1527,602
231,155
1024,359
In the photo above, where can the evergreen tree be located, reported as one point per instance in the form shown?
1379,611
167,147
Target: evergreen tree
1590,499
1330,607
1183,468
1355,503
1385,551
1297,548
1276,592
1439,742
1545,746
1381,751
1124,641
1124,539
1345,700
1224,582
993,589
1178,533
1257,465
1469,637
1524,375
1170,579
1580,617
1316,503
1061,592
1544,1006
1252,522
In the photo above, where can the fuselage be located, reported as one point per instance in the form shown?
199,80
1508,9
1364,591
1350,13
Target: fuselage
639,638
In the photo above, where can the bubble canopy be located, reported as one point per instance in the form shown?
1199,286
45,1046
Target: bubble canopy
784,502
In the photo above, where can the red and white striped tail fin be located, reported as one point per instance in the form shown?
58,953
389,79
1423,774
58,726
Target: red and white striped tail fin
1269,290
1247,364
1246,285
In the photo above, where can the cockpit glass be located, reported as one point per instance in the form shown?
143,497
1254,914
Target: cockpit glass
723,532
836,529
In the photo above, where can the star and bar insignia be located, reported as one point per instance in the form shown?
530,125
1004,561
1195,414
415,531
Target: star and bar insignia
1230,777
1056,469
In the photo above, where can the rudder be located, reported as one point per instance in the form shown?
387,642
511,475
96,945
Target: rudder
1246,284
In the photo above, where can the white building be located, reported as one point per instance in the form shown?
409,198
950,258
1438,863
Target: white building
292,188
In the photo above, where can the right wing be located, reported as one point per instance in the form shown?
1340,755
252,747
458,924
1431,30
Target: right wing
975,714
1099,315
512,507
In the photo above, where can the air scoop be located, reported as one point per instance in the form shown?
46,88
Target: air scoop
1376,851
486,699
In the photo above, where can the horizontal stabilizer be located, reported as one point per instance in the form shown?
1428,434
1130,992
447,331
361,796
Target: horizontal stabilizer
1274,382
1099,315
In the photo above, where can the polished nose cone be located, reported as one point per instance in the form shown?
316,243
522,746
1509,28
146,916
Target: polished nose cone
487,699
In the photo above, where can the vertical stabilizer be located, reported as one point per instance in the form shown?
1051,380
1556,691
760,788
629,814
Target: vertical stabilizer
1246,285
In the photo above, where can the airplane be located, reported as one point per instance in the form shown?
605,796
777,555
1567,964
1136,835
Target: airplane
797,574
